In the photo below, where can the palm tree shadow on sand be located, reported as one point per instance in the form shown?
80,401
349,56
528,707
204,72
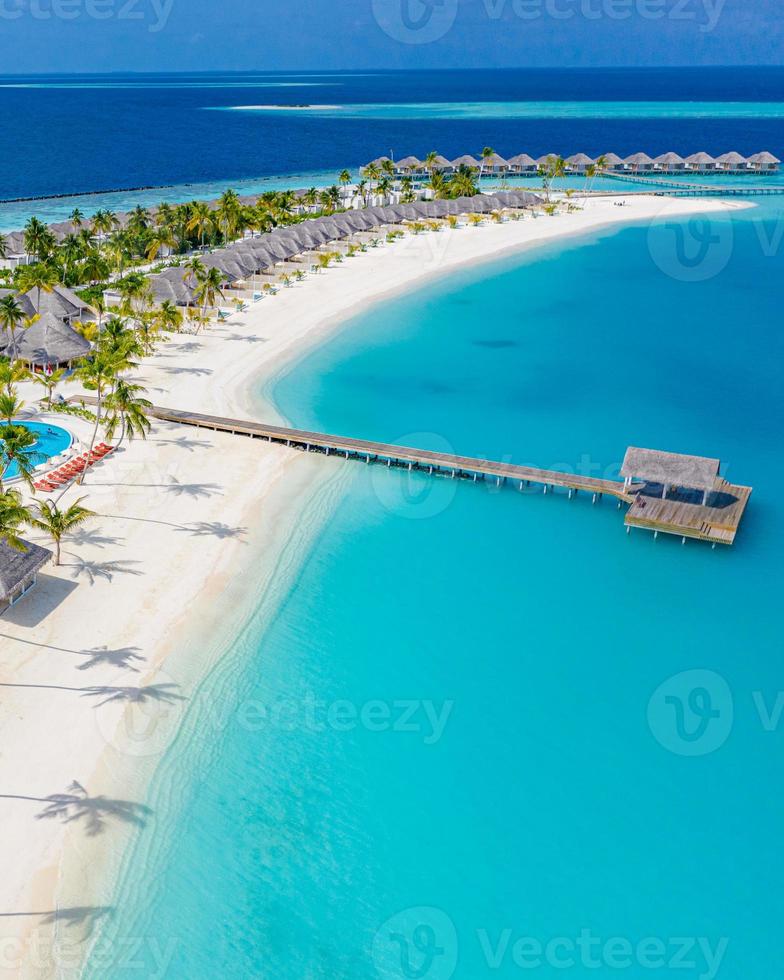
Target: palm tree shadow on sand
153,694
94,812
123,657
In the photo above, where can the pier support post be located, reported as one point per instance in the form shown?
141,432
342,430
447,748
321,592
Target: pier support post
594,499
521,486
410,467
326,450
570,493
431,470
453,474
474,477
545,490
683,539
389,463
628,529
367,458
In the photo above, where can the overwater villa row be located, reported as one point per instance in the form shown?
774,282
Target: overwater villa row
638,163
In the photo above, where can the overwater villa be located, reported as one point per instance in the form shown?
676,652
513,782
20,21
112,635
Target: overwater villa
763,162
732,162
682,495
466,161
669,162
494,164
19,571
700,163
639,163
613,163
579,162
522,164
409,166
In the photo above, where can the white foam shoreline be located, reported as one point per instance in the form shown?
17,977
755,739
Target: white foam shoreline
167,572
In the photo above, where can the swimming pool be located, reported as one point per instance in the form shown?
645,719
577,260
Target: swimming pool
51,440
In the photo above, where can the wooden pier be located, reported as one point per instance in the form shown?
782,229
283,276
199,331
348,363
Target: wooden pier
712,515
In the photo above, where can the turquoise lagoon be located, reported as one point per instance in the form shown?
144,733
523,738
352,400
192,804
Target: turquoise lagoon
461,757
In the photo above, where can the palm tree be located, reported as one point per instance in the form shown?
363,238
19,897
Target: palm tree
57,523
16,446
13,516
77,218
388,168
344,178
95,267
97,372
72,249
36,236
138,220
41,277
430,162
9,406
11,374
162,238
227,214
201,220
168,317
121,248
485,155
209,285
126,409
553,167
11,317
310,197
103,222
50,382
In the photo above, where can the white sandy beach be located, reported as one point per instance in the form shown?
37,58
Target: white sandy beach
190,529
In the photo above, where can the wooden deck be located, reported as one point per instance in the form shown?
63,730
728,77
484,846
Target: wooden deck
684,515
681,513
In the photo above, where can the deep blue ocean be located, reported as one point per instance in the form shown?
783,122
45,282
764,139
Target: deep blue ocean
481,733
122,131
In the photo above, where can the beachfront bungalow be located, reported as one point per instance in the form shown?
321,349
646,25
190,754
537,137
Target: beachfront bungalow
60,301
731,162
639,163
702,163
48,344
19,571
380,162
612,163
579,162
522,164
763,162
669,162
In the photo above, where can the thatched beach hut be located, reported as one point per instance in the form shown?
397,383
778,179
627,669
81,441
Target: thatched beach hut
19,571
732,161
49,343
